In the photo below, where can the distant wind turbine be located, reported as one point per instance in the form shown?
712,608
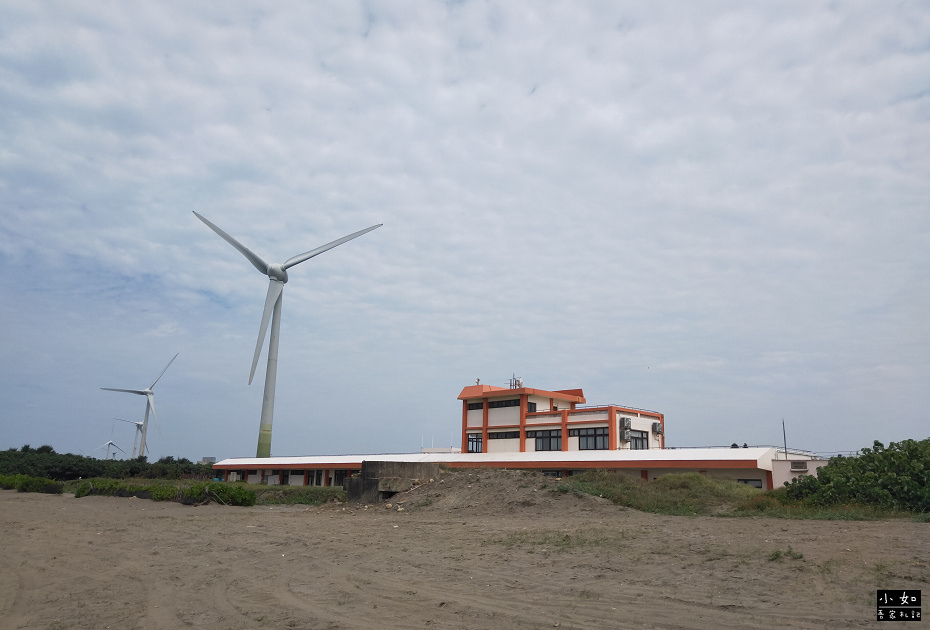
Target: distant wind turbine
135,441
149,404
277,276
108,445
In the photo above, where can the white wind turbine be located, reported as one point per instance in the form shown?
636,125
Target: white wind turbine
135,441
277,276
108,445
149,404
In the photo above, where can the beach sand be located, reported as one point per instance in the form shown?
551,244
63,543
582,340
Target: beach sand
495,549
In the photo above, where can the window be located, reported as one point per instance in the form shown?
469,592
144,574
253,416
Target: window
531,407
503,435
547,440
497,404
477,405
339,477
474,443
639,440
755,483
591,439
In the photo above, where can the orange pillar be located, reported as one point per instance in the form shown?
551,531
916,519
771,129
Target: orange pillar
565,429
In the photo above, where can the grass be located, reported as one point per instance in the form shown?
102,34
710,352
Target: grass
197,492
688,494
778,554
693,494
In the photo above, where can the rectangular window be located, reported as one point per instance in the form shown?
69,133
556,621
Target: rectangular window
339,477
590,439
639,440
474,443
497,404
503,435
319,478
755,483
477,405
547,440
531,407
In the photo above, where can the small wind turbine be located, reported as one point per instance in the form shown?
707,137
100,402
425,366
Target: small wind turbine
108,445
135,440
149,405
277,276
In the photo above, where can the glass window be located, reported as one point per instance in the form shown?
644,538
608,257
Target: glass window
547,440
591,439
639,440
475,443
477,405
531,407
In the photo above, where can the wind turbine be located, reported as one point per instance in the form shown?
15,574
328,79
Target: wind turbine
108,445
135,440
149,405
277,277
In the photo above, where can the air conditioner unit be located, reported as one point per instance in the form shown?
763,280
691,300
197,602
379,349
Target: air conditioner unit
625,435
657,428
626,423
799,465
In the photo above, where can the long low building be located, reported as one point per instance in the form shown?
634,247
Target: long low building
552,431
752,466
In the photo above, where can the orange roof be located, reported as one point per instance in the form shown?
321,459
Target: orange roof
490,391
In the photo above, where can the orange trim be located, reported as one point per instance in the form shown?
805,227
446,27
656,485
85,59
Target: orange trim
484,426
524,402
489,391
565,430
612,428
464,425
649,464
769,482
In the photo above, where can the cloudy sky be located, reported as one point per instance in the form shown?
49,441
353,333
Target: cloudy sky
717,210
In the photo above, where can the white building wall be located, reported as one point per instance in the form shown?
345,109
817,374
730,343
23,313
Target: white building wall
542,404
474,418
503,416
549,418
510,445
782,473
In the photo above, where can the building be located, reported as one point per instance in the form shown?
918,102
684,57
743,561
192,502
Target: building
554,432
525,420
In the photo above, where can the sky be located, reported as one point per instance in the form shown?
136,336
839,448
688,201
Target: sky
719,211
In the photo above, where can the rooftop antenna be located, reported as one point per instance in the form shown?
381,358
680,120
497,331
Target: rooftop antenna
277,277
149,404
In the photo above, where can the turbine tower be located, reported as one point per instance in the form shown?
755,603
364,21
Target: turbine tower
277,277
135,441
149,404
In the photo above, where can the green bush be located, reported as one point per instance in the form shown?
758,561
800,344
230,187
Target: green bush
25,483
896,477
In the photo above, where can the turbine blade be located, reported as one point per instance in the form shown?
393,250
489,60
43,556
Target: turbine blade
151,405
275,287
260,264
128,391
115,445
296,260
165,370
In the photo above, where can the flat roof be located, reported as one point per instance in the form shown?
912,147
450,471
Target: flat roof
755,457
491,391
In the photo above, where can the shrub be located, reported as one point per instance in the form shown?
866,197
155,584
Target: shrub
896,477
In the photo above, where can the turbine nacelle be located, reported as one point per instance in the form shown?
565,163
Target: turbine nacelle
277,272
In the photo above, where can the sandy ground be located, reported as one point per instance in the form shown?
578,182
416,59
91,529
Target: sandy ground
489,550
